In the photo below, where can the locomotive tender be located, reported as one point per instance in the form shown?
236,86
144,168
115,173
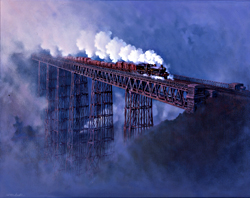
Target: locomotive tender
142,68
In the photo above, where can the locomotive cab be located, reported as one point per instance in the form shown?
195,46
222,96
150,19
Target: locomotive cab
162,69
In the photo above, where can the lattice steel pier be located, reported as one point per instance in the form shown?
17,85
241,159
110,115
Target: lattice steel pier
138,114
66,116
101,132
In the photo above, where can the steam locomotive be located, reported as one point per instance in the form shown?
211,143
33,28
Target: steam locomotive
142,68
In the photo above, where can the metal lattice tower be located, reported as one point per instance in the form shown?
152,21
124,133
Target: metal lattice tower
81,117
53,113
66,117
43,90
107,121
70,142
100,134
138,114
64,104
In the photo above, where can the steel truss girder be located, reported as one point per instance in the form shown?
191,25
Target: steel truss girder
146,86
138,114
101,132
155,89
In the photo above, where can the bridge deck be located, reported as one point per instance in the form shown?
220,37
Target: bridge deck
179,93
167,91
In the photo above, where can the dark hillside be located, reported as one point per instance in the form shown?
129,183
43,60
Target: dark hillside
210,144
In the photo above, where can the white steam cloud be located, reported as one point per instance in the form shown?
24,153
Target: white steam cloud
126,51
101,41
73,35
116,49
86,42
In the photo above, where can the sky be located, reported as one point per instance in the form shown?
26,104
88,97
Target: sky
201,39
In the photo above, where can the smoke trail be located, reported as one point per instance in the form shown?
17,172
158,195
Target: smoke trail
62,40
101,40
86,42
116,49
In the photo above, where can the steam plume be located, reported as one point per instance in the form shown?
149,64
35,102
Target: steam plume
116,49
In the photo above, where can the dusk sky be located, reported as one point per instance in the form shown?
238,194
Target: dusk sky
202,39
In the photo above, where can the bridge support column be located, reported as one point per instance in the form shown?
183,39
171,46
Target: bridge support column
66,117
81,117
44,88
138,114
69,152
55,135
64,104
48,143
52,114
101,132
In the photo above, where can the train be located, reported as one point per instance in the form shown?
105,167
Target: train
142,68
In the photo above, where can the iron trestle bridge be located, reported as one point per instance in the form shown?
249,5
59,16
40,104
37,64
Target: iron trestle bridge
79,130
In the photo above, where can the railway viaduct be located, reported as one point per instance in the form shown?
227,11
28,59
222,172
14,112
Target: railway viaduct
79,129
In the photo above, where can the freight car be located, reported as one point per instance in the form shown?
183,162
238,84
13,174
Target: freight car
142,68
